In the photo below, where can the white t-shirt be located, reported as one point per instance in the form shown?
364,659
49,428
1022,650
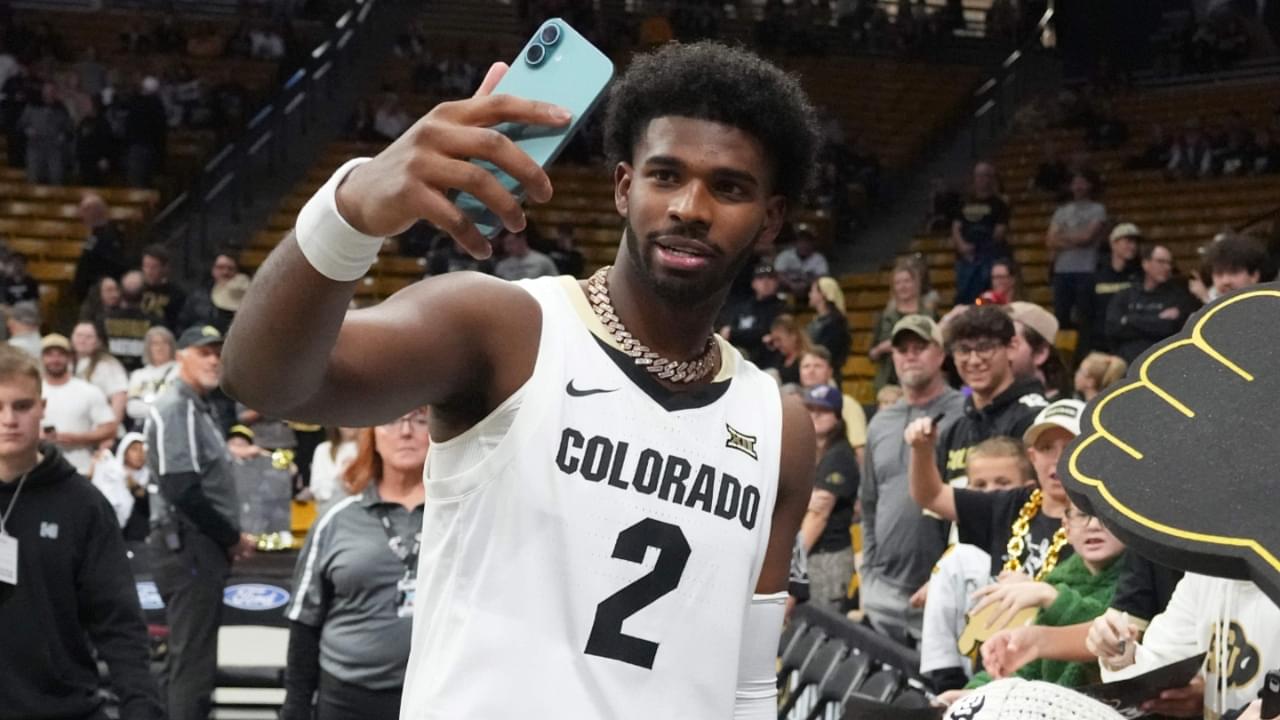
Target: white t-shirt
961,571
145,385
326,473
76,406
109,376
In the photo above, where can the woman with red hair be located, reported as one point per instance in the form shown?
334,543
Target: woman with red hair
352,608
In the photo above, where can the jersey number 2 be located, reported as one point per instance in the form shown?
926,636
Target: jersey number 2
607,639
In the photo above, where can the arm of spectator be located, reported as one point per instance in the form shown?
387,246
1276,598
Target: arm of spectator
1117,325
118,403
816,515
868,499
1006,652
1085,236
99,433
302,672
1054,238
108,602
1000,232
927,488
184,491
963,247
1157,327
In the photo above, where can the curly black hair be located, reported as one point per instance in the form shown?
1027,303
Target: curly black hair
712,81
981,322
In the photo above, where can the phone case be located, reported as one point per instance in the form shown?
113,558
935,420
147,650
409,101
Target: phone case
571,73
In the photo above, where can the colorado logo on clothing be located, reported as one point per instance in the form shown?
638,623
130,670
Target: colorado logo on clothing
255,597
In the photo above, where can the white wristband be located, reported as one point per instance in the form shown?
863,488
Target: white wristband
334,248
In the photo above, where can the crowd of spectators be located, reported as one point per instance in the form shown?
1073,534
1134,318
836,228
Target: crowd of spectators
101,115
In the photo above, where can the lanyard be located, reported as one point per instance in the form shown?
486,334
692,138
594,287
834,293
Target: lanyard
8,513
407,556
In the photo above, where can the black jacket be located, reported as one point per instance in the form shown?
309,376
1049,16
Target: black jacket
75,594
1133,317
831,331
1010,414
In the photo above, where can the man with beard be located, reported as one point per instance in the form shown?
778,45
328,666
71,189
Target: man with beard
899,543
577,424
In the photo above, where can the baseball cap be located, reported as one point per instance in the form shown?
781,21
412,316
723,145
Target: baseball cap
199,336
922,326
825,397
1034,317
242,431
765,269
1128,230
1063,414
230,294
1018,699
54,341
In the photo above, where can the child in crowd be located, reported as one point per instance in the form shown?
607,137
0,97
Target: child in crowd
1078,590
999,463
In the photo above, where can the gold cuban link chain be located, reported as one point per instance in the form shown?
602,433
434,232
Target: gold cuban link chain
675,371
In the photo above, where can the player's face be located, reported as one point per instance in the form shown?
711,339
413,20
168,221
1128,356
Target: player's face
1092,542
21,411
989,474
696,199
1044,456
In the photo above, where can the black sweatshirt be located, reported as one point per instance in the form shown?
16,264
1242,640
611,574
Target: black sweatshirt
1133,317
75,594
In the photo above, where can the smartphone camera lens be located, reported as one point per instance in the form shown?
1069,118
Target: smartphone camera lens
550,34
535,54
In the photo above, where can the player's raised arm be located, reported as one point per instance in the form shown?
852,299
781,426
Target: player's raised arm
294,349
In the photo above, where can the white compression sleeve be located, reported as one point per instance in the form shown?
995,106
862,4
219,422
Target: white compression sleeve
334,248
757,694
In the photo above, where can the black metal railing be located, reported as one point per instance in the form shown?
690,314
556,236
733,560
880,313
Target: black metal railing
228,180
1017,78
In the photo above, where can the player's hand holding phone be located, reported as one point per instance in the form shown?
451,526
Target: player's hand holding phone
411,179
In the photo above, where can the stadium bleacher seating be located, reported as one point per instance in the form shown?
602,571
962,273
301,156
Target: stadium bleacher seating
1181,214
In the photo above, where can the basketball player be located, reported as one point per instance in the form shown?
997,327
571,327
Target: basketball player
609,482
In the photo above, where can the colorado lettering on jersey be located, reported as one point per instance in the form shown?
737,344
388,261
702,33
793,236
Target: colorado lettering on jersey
599,459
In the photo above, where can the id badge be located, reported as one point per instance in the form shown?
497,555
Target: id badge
8,559
404,596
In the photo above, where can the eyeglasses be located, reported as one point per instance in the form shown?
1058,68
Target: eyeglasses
1076,520
982,349
416,420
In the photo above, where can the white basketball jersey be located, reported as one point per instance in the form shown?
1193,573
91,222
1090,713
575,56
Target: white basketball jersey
598,560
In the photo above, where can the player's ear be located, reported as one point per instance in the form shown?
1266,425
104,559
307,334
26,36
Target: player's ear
775,214
622,175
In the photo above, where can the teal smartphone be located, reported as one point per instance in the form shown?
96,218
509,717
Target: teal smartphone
557,66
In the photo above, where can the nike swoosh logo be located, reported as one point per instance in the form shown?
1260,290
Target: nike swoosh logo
575,392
